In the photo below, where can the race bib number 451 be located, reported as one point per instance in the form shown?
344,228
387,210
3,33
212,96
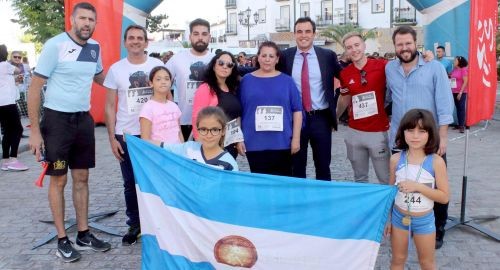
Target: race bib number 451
269,118
364,105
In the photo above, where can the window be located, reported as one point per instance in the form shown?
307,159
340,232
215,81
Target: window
326,9
283,23
304,10
262,15
378,6
232,23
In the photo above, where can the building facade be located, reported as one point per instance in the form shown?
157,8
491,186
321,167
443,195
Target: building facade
250,22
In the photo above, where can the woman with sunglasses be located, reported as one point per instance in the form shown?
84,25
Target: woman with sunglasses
219,89
272,115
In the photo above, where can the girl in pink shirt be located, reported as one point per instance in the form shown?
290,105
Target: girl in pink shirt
159,117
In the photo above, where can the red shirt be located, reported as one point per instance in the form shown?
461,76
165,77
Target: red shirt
350,78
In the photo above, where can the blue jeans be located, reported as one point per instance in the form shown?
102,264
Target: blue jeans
132,208
460,105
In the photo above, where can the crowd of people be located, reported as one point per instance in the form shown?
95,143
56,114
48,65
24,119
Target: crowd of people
269,110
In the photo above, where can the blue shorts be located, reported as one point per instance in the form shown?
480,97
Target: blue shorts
419,225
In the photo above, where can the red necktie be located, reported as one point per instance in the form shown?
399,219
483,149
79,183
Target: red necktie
304,81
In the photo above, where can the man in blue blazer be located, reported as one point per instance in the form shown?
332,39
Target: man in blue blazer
313,69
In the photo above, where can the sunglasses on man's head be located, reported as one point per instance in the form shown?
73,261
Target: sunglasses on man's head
363,77
228,64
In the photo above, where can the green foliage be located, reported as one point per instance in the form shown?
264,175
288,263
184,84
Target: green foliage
154,23
336,32
42,19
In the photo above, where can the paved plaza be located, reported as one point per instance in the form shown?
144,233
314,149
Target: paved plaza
23,205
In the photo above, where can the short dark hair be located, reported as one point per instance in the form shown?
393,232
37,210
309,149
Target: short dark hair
403,30
84,5
199,21
3,53
303,20
268,44
441,47
423,119
158,68
244,53
462,62
135,26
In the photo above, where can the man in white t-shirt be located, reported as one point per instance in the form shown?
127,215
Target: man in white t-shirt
128,78
188,68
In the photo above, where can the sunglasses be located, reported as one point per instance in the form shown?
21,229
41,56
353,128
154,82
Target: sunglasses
228,64
363,77
17,57
214,131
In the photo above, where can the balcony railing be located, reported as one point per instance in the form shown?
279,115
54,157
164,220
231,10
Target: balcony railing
283,25
324,21
230,3
404,15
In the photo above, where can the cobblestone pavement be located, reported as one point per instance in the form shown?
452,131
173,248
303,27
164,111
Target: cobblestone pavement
23,205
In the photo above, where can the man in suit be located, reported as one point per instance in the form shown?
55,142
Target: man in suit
313,69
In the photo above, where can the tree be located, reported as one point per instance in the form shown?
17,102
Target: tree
154,23
336,32
42,19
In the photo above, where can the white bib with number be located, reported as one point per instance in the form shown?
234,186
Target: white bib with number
136,97
233,133
416,201
191,87
269,118
453,82
364,105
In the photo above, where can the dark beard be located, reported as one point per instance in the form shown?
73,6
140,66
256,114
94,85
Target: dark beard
413,56
200,47
78,33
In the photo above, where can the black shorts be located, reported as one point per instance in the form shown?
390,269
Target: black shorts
69,141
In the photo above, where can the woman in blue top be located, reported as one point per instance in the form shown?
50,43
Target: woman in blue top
271,117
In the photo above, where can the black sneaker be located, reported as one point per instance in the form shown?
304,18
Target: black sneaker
67,252
89,241
130,238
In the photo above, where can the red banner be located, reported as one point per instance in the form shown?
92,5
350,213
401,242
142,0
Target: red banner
482,86
108,34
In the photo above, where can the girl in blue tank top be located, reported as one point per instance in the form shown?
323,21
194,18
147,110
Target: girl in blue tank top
421,177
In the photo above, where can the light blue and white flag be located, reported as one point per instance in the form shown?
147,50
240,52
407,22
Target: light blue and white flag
197,217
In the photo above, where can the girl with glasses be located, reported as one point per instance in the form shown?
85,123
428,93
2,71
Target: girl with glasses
208,149
220,89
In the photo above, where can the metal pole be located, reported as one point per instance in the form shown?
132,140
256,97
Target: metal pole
464,179
248,27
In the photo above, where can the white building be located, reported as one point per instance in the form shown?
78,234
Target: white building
274,19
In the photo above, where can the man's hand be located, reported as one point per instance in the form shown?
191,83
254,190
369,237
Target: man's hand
443,139
442,147
116,148
36,144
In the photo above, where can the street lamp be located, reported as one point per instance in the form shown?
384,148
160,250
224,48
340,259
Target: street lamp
244,18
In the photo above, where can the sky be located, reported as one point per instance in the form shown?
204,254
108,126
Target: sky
181,11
